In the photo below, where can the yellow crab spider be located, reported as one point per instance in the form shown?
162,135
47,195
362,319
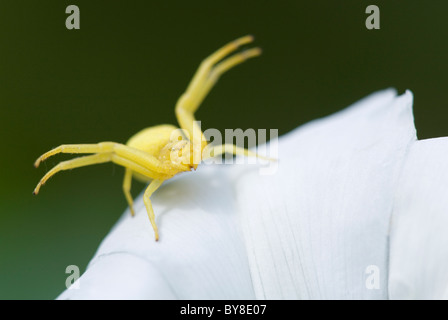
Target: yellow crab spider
148,155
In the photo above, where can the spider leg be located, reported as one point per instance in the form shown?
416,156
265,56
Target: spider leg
127,189
72,164
136,156
204,69
95,159
153,186
208,73
218,70
130,167
69,148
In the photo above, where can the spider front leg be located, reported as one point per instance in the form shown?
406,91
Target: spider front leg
72,164
132,158
91,160
193,92
205,78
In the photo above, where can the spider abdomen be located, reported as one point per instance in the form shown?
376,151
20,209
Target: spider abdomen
152,139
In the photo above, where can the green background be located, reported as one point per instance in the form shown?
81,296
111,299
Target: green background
130,61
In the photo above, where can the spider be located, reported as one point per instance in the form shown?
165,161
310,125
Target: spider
158,153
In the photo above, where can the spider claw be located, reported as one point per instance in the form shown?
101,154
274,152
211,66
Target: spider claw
244,40
36,190
250,53
37,162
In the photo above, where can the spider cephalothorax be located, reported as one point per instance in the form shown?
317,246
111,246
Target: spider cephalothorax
158,153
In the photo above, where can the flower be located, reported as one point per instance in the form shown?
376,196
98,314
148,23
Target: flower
356,210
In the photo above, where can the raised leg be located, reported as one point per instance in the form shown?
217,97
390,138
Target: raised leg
205,68
153,186
218,70
127,189
208,73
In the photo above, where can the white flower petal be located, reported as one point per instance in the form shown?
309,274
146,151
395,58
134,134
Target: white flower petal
314,227
419,228
200,254
120,276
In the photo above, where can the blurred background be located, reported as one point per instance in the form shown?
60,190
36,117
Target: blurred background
126,67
